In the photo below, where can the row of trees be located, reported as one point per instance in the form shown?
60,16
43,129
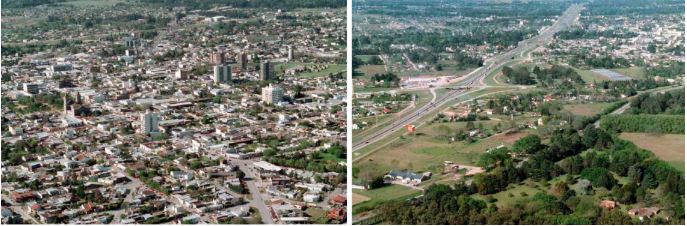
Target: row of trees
644,123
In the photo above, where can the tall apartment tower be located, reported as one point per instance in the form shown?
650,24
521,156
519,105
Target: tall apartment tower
150,122
272,94
217,58
290,52
265,70
222,74
242,59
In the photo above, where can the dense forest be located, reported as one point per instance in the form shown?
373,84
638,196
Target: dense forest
595,156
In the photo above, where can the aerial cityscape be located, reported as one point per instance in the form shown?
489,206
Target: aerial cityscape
518,112
174,112
425,112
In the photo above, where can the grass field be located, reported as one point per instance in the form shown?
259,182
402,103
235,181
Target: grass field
357,155
515,193
381,195
633,72
589,109
429,147
668,147
370,70
333,69
590,76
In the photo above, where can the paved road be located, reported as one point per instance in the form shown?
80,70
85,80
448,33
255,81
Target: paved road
256,201
475,79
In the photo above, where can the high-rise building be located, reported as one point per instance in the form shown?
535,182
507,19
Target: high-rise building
290,53
217,58
131,42
222,74
272,94
242,60
149,122
265,71
181,74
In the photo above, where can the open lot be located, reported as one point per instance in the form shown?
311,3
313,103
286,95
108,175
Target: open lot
632,72
370,70
588,109
429,147
668,147
590,76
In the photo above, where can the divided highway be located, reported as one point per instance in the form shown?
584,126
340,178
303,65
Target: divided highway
475,80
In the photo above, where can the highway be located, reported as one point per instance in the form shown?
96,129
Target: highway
476,79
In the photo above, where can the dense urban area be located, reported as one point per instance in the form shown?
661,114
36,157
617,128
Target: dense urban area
518,112
174,112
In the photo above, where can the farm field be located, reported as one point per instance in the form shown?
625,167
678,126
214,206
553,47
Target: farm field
588,109
668,147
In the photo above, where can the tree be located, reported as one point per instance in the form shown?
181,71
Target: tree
529,144
377,182
600,177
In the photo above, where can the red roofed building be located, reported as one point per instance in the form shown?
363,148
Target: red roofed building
23,196
338,200
338,214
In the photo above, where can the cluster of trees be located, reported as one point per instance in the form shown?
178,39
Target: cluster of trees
284,4
588,34
674,69
13,153
523,102
464,61
374,60
474,9
436,41
644,123
644,171
40,102
650,179
423,56
636,7
27,3
518,75
146,176
630,87
386,80
302,160
580,59
659,103
548,76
